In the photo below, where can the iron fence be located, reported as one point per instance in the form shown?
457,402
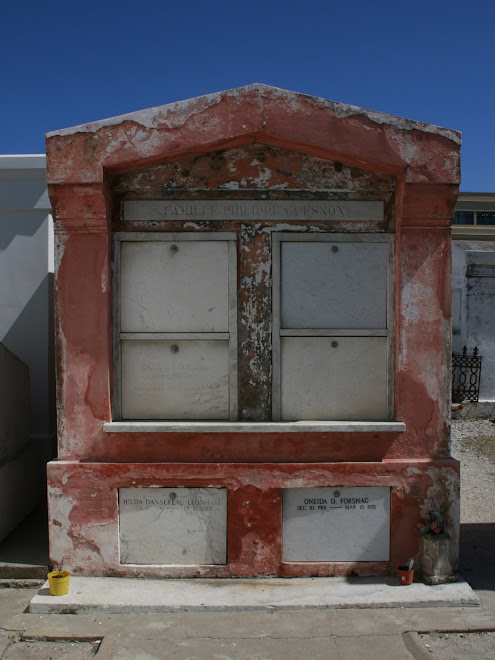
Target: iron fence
466,375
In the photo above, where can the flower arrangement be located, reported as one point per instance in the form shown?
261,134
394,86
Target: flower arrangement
434,525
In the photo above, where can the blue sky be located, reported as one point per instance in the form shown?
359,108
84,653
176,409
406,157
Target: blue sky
69,62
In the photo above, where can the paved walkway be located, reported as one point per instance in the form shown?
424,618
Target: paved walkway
308,633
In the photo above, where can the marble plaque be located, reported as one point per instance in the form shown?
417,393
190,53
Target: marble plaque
333,285
337,378
175,379
253,210
336,524
180,526
180,286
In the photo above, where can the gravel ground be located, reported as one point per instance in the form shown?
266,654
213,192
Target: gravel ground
44,650
459,646
473,444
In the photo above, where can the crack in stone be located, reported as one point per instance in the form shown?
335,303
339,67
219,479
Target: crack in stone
9,630
279,637
61,638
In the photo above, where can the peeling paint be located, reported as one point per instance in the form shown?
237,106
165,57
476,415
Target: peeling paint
165,114
255,167
103,282
254,519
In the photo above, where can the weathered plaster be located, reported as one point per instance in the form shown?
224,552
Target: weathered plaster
267,115
88,527
167,114
423,349
253,167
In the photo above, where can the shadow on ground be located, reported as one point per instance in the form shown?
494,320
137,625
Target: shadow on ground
28,544
477,562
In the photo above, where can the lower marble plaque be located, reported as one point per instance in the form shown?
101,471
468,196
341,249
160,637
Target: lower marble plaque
175,379
180,526
336,524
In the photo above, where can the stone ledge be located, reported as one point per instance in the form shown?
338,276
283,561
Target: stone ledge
253,427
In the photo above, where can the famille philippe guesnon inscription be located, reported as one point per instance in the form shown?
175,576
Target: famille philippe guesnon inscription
336,524
252,210
184,526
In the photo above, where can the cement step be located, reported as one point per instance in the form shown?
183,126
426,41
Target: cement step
125,595
21,583
10,571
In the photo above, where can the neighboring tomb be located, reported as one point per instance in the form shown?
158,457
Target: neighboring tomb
473,271
19,488
253,295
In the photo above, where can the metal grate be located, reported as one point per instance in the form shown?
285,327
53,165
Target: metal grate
466,375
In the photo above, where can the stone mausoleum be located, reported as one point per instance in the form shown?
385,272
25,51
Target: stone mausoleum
253,304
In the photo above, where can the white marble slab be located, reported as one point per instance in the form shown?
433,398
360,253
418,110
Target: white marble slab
180,286
180,526
333,285
175,379
336,378
336,524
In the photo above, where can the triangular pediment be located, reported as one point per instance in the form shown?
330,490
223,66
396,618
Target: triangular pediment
254,113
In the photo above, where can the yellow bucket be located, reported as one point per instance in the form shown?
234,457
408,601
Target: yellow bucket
58,581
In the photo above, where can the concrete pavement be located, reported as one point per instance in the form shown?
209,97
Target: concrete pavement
343,633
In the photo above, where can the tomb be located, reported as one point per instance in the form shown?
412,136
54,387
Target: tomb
253,323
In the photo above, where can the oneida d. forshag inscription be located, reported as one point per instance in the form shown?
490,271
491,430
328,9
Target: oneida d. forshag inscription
336,524
252,210
182,526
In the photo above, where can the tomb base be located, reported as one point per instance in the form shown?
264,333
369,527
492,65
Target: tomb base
244,520
437,567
